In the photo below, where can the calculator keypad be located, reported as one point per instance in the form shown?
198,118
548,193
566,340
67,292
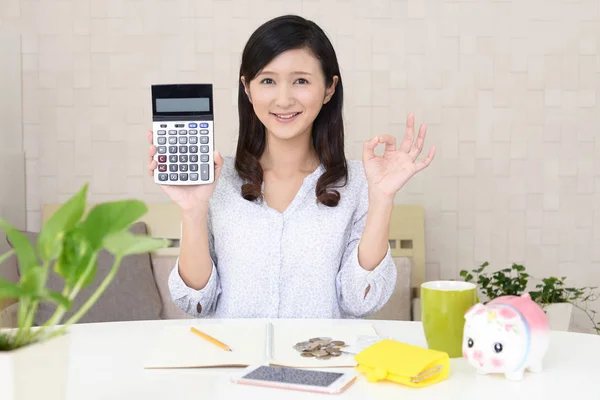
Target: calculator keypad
183,152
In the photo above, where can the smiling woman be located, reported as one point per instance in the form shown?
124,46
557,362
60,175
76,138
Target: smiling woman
290,228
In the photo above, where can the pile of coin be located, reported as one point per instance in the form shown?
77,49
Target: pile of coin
322,348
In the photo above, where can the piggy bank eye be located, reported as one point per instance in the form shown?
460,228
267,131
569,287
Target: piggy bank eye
470,343
498,347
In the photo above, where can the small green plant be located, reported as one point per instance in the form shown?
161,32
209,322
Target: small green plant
70,245
514,281
505,282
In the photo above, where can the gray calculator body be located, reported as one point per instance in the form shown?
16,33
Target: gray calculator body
183,133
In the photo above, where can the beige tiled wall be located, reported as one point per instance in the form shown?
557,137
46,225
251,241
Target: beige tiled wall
510,90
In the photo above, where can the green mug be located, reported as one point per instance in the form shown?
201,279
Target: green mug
443,308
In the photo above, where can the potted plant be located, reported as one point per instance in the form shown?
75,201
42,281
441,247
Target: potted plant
34,360
551,294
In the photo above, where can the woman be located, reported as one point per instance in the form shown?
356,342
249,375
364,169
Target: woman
290,228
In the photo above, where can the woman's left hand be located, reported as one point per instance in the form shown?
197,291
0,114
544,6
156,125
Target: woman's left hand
386,174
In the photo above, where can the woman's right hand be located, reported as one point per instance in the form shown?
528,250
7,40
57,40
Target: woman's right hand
188,197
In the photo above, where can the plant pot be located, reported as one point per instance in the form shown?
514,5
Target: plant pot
37,371
559,316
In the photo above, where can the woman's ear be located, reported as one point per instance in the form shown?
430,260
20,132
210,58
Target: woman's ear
246,89
330,90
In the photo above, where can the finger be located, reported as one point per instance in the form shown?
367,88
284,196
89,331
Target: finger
418,147
149,137
218,163
389,141
426,161
152,167
369,149
151,152
407,142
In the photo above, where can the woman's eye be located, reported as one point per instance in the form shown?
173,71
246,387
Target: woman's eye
302,81
267,80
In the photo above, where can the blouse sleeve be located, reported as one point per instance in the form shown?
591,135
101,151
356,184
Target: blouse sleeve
199,303
353,280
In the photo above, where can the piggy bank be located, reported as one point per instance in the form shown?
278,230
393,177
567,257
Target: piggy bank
508,335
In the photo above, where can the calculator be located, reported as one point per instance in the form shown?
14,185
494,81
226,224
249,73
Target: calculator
183,133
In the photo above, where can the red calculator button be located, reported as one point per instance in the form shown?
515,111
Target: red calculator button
162,158
162,168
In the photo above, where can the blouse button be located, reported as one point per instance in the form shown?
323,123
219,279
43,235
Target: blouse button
199,308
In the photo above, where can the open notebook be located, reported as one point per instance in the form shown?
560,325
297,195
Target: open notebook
178,347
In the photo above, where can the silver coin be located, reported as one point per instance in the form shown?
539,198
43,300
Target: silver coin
318,353
307,354
338,343
325,357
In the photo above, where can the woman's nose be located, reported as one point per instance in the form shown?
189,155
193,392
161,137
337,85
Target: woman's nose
285,97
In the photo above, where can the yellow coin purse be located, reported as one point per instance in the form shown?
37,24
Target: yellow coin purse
403,363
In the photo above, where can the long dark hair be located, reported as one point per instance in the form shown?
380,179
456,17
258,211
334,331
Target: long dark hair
267,42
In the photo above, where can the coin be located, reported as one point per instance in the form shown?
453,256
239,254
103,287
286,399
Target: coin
322,348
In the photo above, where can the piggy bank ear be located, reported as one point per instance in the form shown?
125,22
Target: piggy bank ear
476,309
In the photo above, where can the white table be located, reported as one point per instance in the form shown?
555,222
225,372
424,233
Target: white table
106,363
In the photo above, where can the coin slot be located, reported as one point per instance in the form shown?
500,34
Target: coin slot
406,244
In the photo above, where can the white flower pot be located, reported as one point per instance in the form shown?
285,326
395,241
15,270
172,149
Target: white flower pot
559,316
37,371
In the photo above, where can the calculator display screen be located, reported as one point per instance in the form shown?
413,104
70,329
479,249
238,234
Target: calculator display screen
188,104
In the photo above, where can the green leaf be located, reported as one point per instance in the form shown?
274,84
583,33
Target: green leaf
64,219
74,258
58,299
32,281
9,290
6,256
111,217
125,243
20,243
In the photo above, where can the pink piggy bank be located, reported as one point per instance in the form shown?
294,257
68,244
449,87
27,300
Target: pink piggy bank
507,335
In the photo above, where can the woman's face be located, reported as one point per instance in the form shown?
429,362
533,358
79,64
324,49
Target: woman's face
288,93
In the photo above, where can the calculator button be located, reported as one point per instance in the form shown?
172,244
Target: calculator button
183,132
193,149
172,149
163,125
162,167
162,132
204,172
192,125
193,139
193,132
204,157
193,167
183,167
173,132
172,158
163,177
162,158
183,177
161,140
204,149
203,139
204,131
183,149
179,125
203,125
183,158
173,177
193,177
173,167
172,140
194,158
162,149
183,140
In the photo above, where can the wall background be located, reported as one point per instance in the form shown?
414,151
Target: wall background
510,91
